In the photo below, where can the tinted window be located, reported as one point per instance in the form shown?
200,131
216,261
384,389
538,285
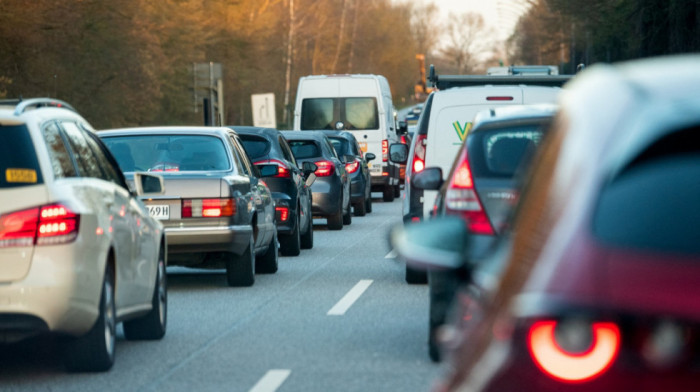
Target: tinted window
168,152
500,152
340,145
61,161
324,113
303,149
286,151
256,147
18,162
109,172
88,166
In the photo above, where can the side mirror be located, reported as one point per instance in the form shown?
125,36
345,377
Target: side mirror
310,179
267,170
370,157
403,128
308,168
148,184
398,153
436,244
429,178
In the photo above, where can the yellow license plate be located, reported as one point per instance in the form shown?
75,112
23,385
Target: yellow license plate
363,146
20,175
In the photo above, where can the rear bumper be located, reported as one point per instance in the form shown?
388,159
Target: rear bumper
326,198
233,239
389,176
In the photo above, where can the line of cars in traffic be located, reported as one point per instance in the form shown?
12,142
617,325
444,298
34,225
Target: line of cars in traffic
576,269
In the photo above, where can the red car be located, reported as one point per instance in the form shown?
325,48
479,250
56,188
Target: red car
599,288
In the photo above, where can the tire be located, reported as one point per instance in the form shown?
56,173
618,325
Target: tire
335,221
433,347
415,276
307,239
290,244
368,204
347,216
268,262
360,209
153,325
388,194
397,190
240,270
94,351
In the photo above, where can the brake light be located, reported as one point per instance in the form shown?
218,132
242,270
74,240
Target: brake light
46,225
385,150
403,139
461,199
419,154
499,98
282,213
207,208
282,169
580,366
324,168
352,167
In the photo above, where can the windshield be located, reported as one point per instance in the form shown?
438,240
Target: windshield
325,113
168,153
256,147
303,149
501,152
18,162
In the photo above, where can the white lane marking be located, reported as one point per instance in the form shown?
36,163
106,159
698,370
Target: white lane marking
272,380
391,255
346,302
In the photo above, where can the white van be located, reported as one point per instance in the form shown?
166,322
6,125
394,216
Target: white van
360,104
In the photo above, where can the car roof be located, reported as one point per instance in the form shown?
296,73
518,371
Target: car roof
305,135
250,130
171,130
502,114
343,134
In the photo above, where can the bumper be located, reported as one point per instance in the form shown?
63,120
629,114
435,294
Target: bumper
326,197
208,239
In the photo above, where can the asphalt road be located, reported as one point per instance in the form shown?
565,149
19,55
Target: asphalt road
339,317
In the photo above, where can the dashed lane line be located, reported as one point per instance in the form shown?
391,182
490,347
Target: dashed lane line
349,299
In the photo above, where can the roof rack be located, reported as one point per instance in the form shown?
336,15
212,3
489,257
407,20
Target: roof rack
443,82
24,104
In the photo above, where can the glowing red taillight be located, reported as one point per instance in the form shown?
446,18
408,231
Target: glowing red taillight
46,225
403,139
564,365
461,199
352,167
282,169
324,168
207,208
501,98
282,213
419,153
385,150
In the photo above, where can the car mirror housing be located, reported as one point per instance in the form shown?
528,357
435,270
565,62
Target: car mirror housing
436,244
398,153
403,128
148,184
310,178
348,158
268,170
308,168
370,156
429,178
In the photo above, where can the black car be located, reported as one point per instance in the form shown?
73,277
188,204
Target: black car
289,189
331,190
345,143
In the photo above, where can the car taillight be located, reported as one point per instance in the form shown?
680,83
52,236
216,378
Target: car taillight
461,199
385,150
499,98
207,208
324,168
282,213
403,139
574,351
419,154
46,225
352,167
282,169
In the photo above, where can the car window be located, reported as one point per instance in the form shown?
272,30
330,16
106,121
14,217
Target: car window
246,165
329,148
88,165
286,151
256,147
340,145
303,149
61,161
359,113
169,153
109,172
19,165
501,152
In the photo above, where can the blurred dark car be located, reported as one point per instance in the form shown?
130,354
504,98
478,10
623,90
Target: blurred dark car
289,190
598,288
216,211
331,190
345,143
481,188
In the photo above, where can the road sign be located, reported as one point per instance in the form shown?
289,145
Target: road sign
264,110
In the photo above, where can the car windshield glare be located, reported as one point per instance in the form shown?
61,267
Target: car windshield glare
168,153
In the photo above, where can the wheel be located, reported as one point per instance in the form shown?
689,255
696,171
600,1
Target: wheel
347,216
267,263
397,190
360,208
152,326
290,244
94,351
307,239
368,204
415,276
388,194
240,270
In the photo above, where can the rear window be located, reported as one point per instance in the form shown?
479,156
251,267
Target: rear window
303,149
653,203
256,147
501,152
341,146
358,113
168,153
18,162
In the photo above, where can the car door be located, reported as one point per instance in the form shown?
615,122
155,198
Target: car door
303,191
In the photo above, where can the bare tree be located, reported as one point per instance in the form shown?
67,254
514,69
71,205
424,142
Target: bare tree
469,42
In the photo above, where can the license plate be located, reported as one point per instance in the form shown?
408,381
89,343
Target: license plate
363,146
159,211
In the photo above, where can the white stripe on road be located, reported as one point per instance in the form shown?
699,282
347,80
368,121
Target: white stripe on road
391,255
346,302
272,380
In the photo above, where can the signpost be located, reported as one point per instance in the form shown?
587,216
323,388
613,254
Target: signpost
264,110
208,91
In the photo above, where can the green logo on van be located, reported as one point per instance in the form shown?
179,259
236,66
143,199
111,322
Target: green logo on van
462,130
